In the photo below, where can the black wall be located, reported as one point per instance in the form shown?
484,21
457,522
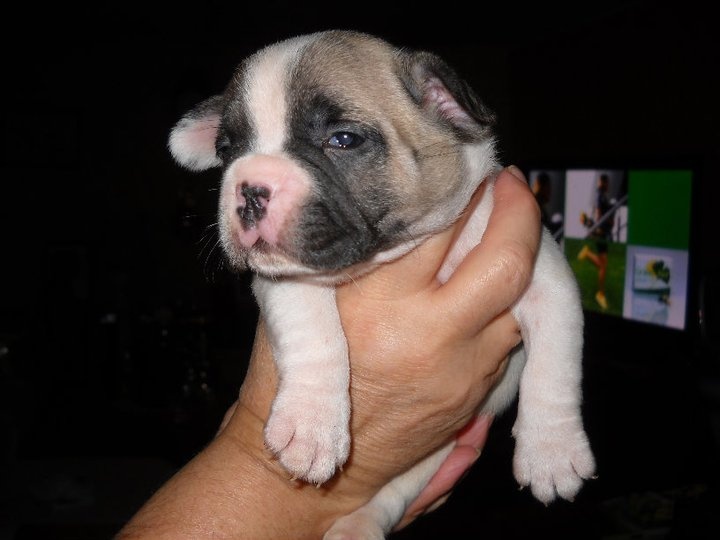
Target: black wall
121,334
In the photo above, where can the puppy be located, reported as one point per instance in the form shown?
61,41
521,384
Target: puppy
340,152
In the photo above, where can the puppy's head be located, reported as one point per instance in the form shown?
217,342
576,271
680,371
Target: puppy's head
338,152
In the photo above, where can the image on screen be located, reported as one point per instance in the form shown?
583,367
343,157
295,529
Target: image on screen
626,235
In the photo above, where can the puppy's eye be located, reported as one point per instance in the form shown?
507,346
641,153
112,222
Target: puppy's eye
223,145
343,140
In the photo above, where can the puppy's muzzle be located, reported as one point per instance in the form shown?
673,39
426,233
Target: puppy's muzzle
253,201
262,195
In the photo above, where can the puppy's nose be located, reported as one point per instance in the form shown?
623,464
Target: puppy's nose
253,200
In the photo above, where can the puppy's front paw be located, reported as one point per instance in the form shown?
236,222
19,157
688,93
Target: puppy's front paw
309,435
553,460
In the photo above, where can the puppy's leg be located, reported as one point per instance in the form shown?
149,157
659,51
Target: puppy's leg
377,518
308,428
384,511
552,452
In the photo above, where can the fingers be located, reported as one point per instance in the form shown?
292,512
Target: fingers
258,388
438,490
476,432
416,270
226,418
496,272
407,275
470,442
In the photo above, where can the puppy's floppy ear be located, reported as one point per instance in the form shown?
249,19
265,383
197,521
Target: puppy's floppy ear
437,88
192,140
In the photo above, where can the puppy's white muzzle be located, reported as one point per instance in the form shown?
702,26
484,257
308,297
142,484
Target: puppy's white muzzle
262,195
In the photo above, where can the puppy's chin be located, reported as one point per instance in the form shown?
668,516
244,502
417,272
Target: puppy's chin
269,261
261,259
272,263
275,262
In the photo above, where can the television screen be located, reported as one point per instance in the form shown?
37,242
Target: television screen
626,234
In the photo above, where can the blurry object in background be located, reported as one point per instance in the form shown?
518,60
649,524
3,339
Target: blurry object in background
623,215
549,190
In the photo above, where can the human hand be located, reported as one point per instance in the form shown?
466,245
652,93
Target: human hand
468,447
424,355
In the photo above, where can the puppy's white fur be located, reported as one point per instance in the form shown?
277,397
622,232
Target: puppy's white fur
308,428
266,89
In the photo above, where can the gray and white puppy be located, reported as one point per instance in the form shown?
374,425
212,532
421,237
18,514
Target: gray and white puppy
341,152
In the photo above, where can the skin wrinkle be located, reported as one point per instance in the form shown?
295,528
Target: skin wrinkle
424,366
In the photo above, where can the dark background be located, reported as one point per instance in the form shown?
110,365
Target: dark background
123,339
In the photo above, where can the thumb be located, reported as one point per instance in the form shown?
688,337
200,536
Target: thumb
497,271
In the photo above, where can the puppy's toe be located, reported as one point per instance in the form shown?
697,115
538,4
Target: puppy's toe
314,457
279,431
554,464
309,440
583,460
568,484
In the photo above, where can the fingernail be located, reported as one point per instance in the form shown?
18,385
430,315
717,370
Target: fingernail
516,172
437,504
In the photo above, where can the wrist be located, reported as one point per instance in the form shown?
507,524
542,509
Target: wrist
235,489
285,508
307,511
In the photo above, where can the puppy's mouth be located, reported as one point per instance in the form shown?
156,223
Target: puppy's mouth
270,259
295,258
243,255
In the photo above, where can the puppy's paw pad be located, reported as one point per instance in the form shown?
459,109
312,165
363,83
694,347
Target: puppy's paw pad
310,442
554,464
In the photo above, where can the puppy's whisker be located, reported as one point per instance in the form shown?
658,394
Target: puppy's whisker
212,249
210,238
208,261
205,239
412,240
211,226
351,278
218,266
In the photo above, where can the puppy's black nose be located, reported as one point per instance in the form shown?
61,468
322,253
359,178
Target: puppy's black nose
253,203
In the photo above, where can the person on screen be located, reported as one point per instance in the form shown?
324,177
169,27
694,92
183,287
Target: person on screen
542,189
600,227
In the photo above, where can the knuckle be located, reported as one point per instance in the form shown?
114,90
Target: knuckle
532,207
514,266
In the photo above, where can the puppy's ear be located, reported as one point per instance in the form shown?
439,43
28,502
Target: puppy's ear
192,140
437,88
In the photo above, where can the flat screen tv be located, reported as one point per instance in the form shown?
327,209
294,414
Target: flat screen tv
626,232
